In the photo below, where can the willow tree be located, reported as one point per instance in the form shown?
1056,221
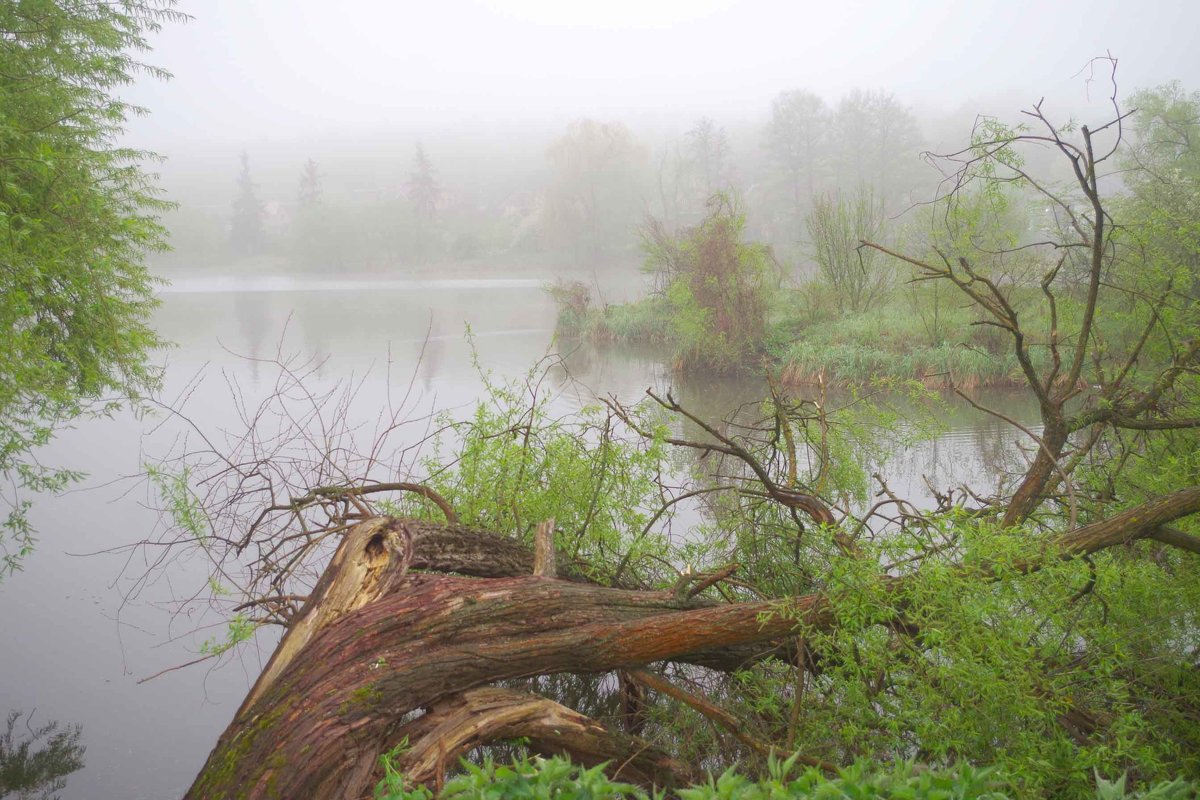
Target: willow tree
77,218
595,190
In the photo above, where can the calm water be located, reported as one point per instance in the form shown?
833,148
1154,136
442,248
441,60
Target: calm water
73,647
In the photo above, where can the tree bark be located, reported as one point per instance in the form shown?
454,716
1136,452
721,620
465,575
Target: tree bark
1028,495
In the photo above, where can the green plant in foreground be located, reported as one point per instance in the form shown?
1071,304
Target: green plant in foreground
537,778
512,464
394,786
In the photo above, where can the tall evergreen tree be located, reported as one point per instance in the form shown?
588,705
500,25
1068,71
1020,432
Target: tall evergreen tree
246,230
423,194
422,187
310,185
312,239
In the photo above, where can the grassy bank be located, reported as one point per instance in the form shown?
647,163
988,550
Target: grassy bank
899,339
808,340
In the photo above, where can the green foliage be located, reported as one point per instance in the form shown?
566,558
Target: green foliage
77,217
574,300
892,341
35,766
997,665
536,779
559,779
512,465
179,501
716,288
393,786
902,781
240,629
540,779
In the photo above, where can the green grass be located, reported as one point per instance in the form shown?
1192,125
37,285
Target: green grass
808,339
647,321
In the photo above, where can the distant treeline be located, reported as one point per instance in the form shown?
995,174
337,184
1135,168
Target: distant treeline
583,203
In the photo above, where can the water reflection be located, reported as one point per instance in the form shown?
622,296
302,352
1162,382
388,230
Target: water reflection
35,761
956,443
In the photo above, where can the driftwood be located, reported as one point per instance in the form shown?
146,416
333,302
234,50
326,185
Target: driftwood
382,652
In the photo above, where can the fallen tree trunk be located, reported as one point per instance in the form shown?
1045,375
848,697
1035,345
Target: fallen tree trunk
355,675
316,731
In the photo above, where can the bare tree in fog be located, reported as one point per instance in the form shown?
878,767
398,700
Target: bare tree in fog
836,224
796,142
708,153
690,171
877,142
594,196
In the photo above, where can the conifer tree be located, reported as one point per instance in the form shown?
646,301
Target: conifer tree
246,229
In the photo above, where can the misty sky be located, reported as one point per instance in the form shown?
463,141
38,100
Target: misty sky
262,70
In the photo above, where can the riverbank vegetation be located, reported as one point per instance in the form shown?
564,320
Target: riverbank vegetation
875,306
639,599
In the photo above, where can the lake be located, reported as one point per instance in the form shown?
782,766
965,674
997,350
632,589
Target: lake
82,624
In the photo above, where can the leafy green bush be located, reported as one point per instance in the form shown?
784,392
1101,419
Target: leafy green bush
559,779
512,464
717,287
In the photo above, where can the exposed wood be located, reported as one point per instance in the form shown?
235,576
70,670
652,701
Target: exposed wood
371,556
456,725
543,550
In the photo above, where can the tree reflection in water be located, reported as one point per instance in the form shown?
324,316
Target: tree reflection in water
34,762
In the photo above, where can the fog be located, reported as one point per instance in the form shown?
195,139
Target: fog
294,70
487,87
